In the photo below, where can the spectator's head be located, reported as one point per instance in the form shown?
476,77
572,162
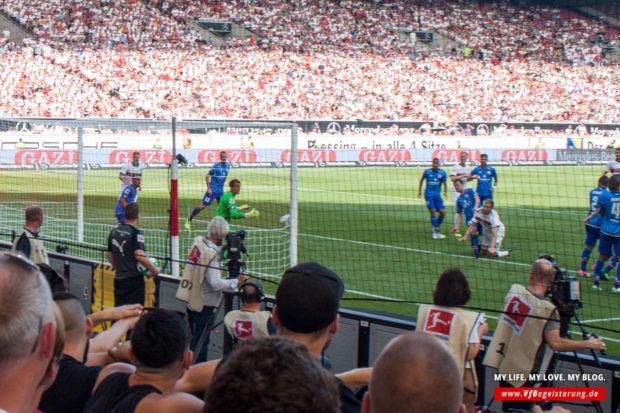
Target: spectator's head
452,289
27,334
272,374
235,186
34,217
59,342
542,273
603,181
218,229
160,343
307,302
78,328
251,292
132,211
56,281
614,183
408,374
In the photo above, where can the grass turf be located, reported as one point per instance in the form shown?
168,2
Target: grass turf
365,223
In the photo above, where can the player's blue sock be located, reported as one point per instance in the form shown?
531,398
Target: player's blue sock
585,256
597,271
475,246
617,280
611,266
440,219
434,223
195,212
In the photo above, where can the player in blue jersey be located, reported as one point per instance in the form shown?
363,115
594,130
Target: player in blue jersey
487,178
467,202
593,227
609,208
435,177
129,194
215,180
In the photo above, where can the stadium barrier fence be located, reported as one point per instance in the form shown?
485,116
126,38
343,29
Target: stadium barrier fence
362,336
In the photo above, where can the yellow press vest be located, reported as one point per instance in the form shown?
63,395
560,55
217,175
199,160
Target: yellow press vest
200,256
38,255
453,325
519,337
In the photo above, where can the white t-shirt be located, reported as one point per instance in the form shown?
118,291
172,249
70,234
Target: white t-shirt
129,171
488,221
613,167
474,337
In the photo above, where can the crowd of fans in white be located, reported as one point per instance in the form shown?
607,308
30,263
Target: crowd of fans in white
316,59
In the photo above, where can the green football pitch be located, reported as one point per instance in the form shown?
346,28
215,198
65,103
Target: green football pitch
366,223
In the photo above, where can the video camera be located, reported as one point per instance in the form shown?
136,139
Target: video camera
234,249
565,290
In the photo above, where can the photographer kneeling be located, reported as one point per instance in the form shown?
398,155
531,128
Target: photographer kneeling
202,284
528,327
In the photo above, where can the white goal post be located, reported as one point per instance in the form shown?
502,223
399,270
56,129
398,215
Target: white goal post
71,168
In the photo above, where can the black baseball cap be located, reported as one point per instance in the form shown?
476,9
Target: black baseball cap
308,297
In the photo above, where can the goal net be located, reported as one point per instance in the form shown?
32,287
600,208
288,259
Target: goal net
72,169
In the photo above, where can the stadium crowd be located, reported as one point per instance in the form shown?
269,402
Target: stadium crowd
252,84
499,30
315,60
98,23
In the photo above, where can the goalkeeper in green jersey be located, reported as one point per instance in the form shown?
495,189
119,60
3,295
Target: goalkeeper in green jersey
227,207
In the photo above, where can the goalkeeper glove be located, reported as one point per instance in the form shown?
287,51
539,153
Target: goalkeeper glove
240,207
253,213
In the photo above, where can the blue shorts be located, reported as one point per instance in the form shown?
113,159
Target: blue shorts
468,218
434,202
120,217
206,200
485,196
592,235
606,243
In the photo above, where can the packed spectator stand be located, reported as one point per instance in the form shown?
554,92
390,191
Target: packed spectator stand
315,60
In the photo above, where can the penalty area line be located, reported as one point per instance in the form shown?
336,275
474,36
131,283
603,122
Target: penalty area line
407,249
416,200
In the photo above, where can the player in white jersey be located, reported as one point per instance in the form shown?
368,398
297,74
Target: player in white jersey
613,166
459,172
492,233
131,170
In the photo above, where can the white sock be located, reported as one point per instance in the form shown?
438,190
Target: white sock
455,216
502,253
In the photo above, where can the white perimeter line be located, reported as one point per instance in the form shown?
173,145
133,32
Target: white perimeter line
371,244
598,320
615,340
